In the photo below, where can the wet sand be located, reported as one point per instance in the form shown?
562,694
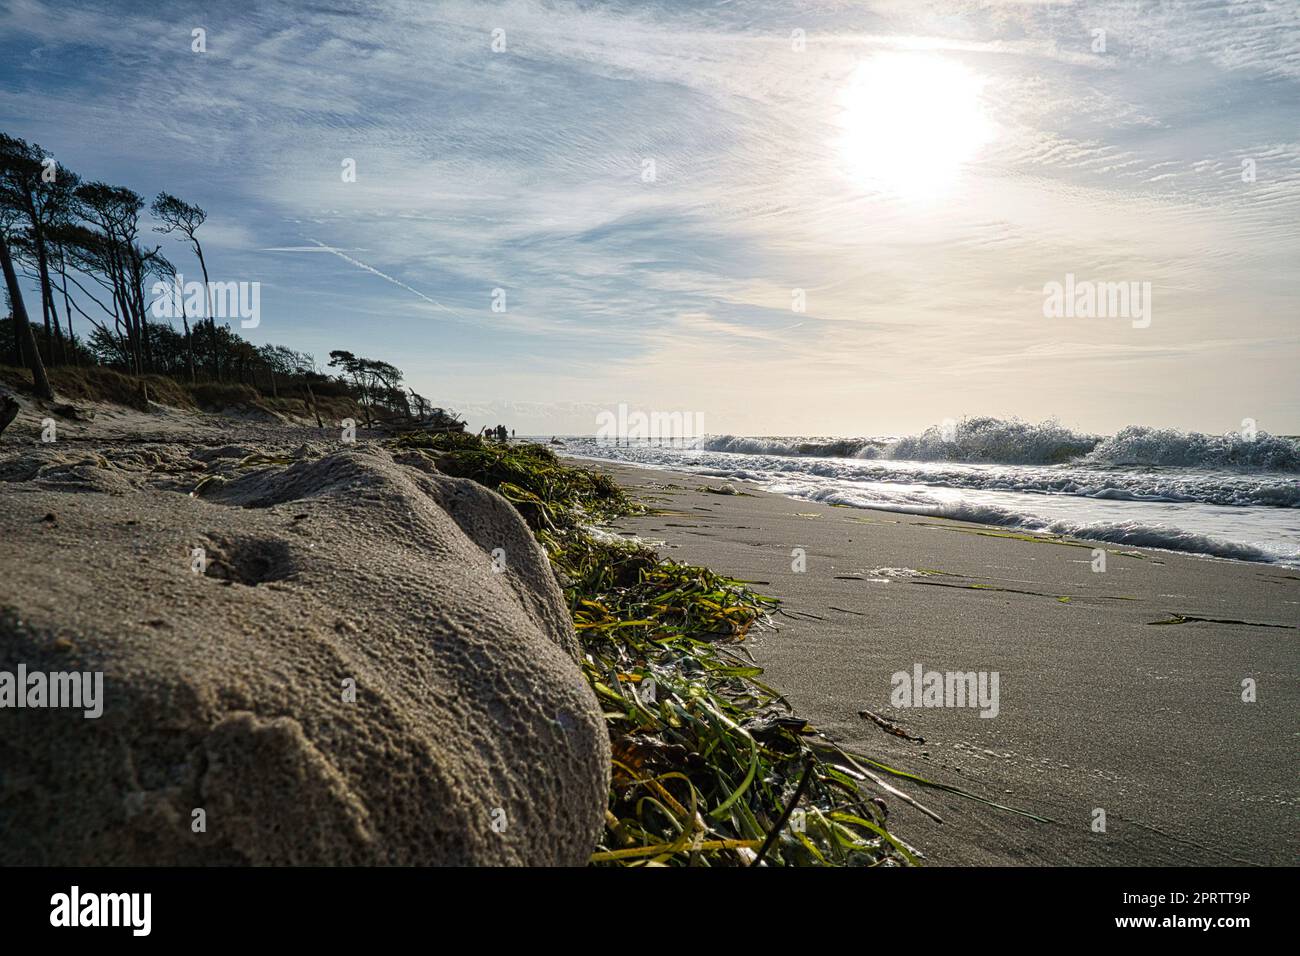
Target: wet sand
1100,707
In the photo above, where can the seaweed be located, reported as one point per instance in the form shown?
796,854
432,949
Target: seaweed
710,765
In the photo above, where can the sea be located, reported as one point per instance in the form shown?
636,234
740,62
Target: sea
1235,495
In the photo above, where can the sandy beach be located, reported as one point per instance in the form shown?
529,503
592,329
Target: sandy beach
300,650
1101,707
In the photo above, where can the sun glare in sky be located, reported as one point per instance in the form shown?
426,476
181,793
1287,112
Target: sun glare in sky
909,122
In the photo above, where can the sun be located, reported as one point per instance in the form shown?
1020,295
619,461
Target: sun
909,122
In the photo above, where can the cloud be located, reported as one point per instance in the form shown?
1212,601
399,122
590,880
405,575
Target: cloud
525,170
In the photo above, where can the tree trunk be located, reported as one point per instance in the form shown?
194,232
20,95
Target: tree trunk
19,360
58,331
131,351
122,305
189,344
67,309
137,275
49,333
207,301
39,242
47,294
39,380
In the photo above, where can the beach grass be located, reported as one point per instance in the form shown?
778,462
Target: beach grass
710,766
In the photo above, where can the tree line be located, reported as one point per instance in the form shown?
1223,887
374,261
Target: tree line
85,246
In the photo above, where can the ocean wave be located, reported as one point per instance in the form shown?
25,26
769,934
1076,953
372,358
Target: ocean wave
1243,513
1138,445
1230,489
987,440
995,441
795,447
1133,534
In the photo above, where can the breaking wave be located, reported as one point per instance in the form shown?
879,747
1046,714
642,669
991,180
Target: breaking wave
810,447
986,440
995,441
1137,445
1134,534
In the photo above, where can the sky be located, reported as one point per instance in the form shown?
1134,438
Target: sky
786,218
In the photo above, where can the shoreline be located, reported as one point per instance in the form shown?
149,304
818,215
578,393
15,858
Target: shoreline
1124,532
1101,709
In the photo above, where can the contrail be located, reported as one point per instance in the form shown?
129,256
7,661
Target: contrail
397,282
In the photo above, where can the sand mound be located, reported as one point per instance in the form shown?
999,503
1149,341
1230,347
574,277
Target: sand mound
472,739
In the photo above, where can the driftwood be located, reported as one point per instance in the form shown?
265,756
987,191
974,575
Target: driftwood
315,410
437,423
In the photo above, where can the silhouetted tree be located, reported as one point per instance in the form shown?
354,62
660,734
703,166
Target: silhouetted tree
22,326
177,215
81,241
41,192
115,210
